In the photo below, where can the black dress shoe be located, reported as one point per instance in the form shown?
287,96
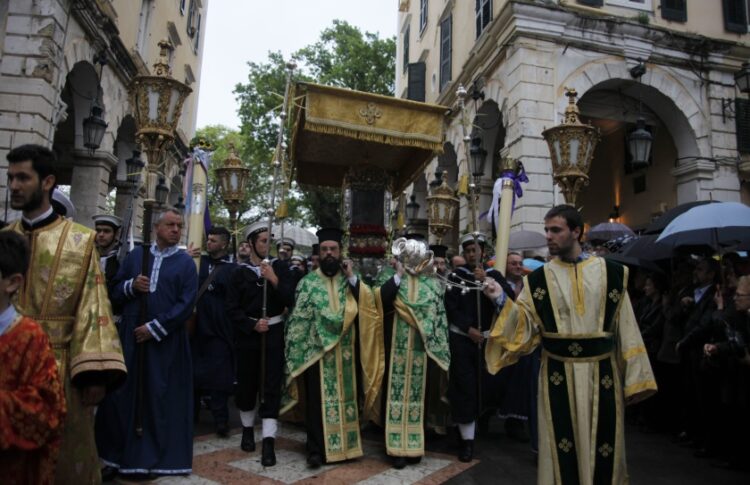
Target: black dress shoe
413,460
222,430
467,451
268,457
248,439
109,473
399,462
314,460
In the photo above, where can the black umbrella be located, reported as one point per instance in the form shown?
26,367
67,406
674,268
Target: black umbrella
659,224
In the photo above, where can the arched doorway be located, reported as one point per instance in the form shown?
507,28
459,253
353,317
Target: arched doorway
617,189
86,172
488,126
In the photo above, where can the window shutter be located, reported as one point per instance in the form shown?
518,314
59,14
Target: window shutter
742,120
674,10
735,16
592,3
445,51
417,71
406,48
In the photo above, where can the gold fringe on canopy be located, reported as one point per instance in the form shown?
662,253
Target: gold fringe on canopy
335,128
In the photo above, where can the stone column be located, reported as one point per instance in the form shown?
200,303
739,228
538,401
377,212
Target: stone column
89,184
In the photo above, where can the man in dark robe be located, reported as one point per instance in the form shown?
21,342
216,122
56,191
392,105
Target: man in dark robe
468,328
163,373
257,335
212,343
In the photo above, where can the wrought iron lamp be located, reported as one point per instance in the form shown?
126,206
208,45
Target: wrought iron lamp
571,146
442,205
640,140
157,105
94,126
233,178
412,209
478,157
134,167
742,78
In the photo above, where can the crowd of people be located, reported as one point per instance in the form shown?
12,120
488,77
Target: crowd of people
695,325
433,342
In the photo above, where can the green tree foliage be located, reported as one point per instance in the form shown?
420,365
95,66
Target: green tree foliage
343,57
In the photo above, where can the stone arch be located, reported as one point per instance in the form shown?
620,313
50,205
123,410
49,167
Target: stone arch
664,93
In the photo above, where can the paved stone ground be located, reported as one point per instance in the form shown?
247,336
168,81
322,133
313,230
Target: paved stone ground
652,458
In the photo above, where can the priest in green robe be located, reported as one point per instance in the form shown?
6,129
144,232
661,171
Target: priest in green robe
334,311
414,300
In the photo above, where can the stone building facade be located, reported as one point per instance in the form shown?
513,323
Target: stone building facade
518,56
50,75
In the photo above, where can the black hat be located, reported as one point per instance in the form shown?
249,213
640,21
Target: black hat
330,234
438,250
416,236
316,249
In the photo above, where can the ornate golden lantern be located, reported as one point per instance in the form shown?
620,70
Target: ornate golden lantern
157,104
233,178
442,205
571,146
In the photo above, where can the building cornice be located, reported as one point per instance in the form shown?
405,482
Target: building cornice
98,20
594,31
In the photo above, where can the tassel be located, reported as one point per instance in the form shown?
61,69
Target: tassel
463,185
282,211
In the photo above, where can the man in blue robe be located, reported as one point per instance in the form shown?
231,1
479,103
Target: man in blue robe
212,344
164,372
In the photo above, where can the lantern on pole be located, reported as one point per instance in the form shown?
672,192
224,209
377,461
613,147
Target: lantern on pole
442,205
233,178
157,105
571,146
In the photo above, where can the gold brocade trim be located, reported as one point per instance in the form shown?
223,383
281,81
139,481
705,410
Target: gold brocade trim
371,351
638,387
377,135
83,361
570,382
55,267
630,353
617,471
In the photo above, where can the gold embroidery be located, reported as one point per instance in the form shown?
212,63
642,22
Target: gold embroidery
575,349
615,295
605,450
607,382
565,445
556,378
370,113
540,293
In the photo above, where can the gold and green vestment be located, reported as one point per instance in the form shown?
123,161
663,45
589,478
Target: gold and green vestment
593,361
420,332
321,329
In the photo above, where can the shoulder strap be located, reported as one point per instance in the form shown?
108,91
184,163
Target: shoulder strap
615,287
540,297
211,275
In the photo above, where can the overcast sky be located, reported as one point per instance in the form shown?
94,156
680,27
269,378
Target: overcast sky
238,31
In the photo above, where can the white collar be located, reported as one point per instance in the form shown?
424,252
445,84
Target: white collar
38,218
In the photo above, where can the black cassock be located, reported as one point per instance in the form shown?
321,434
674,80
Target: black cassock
467,358
245,307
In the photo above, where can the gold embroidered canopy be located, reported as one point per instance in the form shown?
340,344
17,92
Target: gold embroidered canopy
336,128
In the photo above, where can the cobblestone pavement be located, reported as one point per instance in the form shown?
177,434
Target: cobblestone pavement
652,460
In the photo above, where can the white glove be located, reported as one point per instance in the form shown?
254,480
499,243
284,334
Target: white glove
493,290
